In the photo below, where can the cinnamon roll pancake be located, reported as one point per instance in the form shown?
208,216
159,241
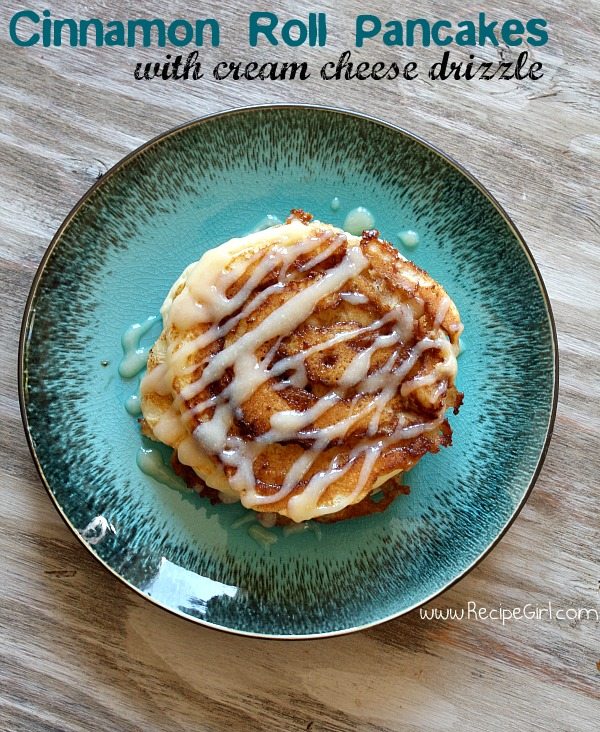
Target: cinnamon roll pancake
301,368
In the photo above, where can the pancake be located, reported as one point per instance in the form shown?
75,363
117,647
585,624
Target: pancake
301,368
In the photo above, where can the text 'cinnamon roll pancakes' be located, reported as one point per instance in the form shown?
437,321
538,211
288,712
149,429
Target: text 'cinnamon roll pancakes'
301,367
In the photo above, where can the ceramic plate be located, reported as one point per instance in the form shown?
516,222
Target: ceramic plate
111,264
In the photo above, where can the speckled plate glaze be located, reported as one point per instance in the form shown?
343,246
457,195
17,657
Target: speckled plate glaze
111,264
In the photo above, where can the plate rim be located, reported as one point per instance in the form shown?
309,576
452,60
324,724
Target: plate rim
27,324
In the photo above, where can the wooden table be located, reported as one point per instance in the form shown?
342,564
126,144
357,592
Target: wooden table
79,650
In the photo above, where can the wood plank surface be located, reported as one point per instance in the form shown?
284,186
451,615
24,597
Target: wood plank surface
78,650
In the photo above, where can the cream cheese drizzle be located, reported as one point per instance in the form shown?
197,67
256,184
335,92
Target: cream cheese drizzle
354,298
134,355
200,297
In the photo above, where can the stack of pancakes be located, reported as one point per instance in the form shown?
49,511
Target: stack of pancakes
301,369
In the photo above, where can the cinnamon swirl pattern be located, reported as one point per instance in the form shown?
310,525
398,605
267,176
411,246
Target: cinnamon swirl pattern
300,368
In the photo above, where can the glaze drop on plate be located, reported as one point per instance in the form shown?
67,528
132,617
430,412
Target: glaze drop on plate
359,219
135,356
133,405
150,462
409,238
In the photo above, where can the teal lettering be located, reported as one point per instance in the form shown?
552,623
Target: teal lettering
363,31
394,36
188,32
115,36
486,31
511,32
84,26
258,28
286,32
146,27
58,28
435,33
537,36
466,36
215,33
33,38
410,31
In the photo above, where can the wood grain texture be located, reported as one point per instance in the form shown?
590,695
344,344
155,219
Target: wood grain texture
78,650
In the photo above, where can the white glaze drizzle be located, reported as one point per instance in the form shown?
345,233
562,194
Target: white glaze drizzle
354,298
204,299
134,355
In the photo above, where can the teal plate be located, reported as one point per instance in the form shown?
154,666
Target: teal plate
111,264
